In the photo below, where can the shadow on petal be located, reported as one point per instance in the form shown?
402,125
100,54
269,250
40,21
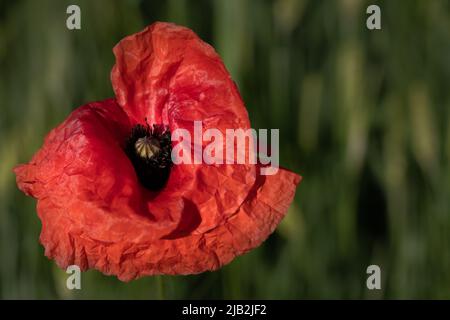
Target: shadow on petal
190,220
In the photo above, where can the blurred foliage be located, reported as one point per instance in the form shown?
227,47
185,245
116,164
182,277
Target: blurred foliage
363,116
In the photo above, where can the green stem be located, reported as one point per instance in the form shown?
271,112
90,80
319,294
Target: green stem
161,287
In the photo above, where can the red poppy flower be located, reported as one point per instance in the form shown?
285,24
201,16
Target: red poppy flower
103,207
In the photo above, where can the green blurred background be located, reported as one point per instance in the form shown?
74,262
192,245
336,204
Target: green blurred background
363,116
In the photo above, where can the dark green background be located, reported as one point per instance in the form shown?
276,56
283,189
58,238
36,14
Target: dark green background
363,116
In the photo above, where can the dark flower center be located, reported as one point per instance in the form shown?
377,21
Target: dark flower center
149,149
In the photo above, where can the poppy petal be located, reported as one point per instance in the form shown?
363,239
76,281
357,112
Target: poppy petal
87,188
